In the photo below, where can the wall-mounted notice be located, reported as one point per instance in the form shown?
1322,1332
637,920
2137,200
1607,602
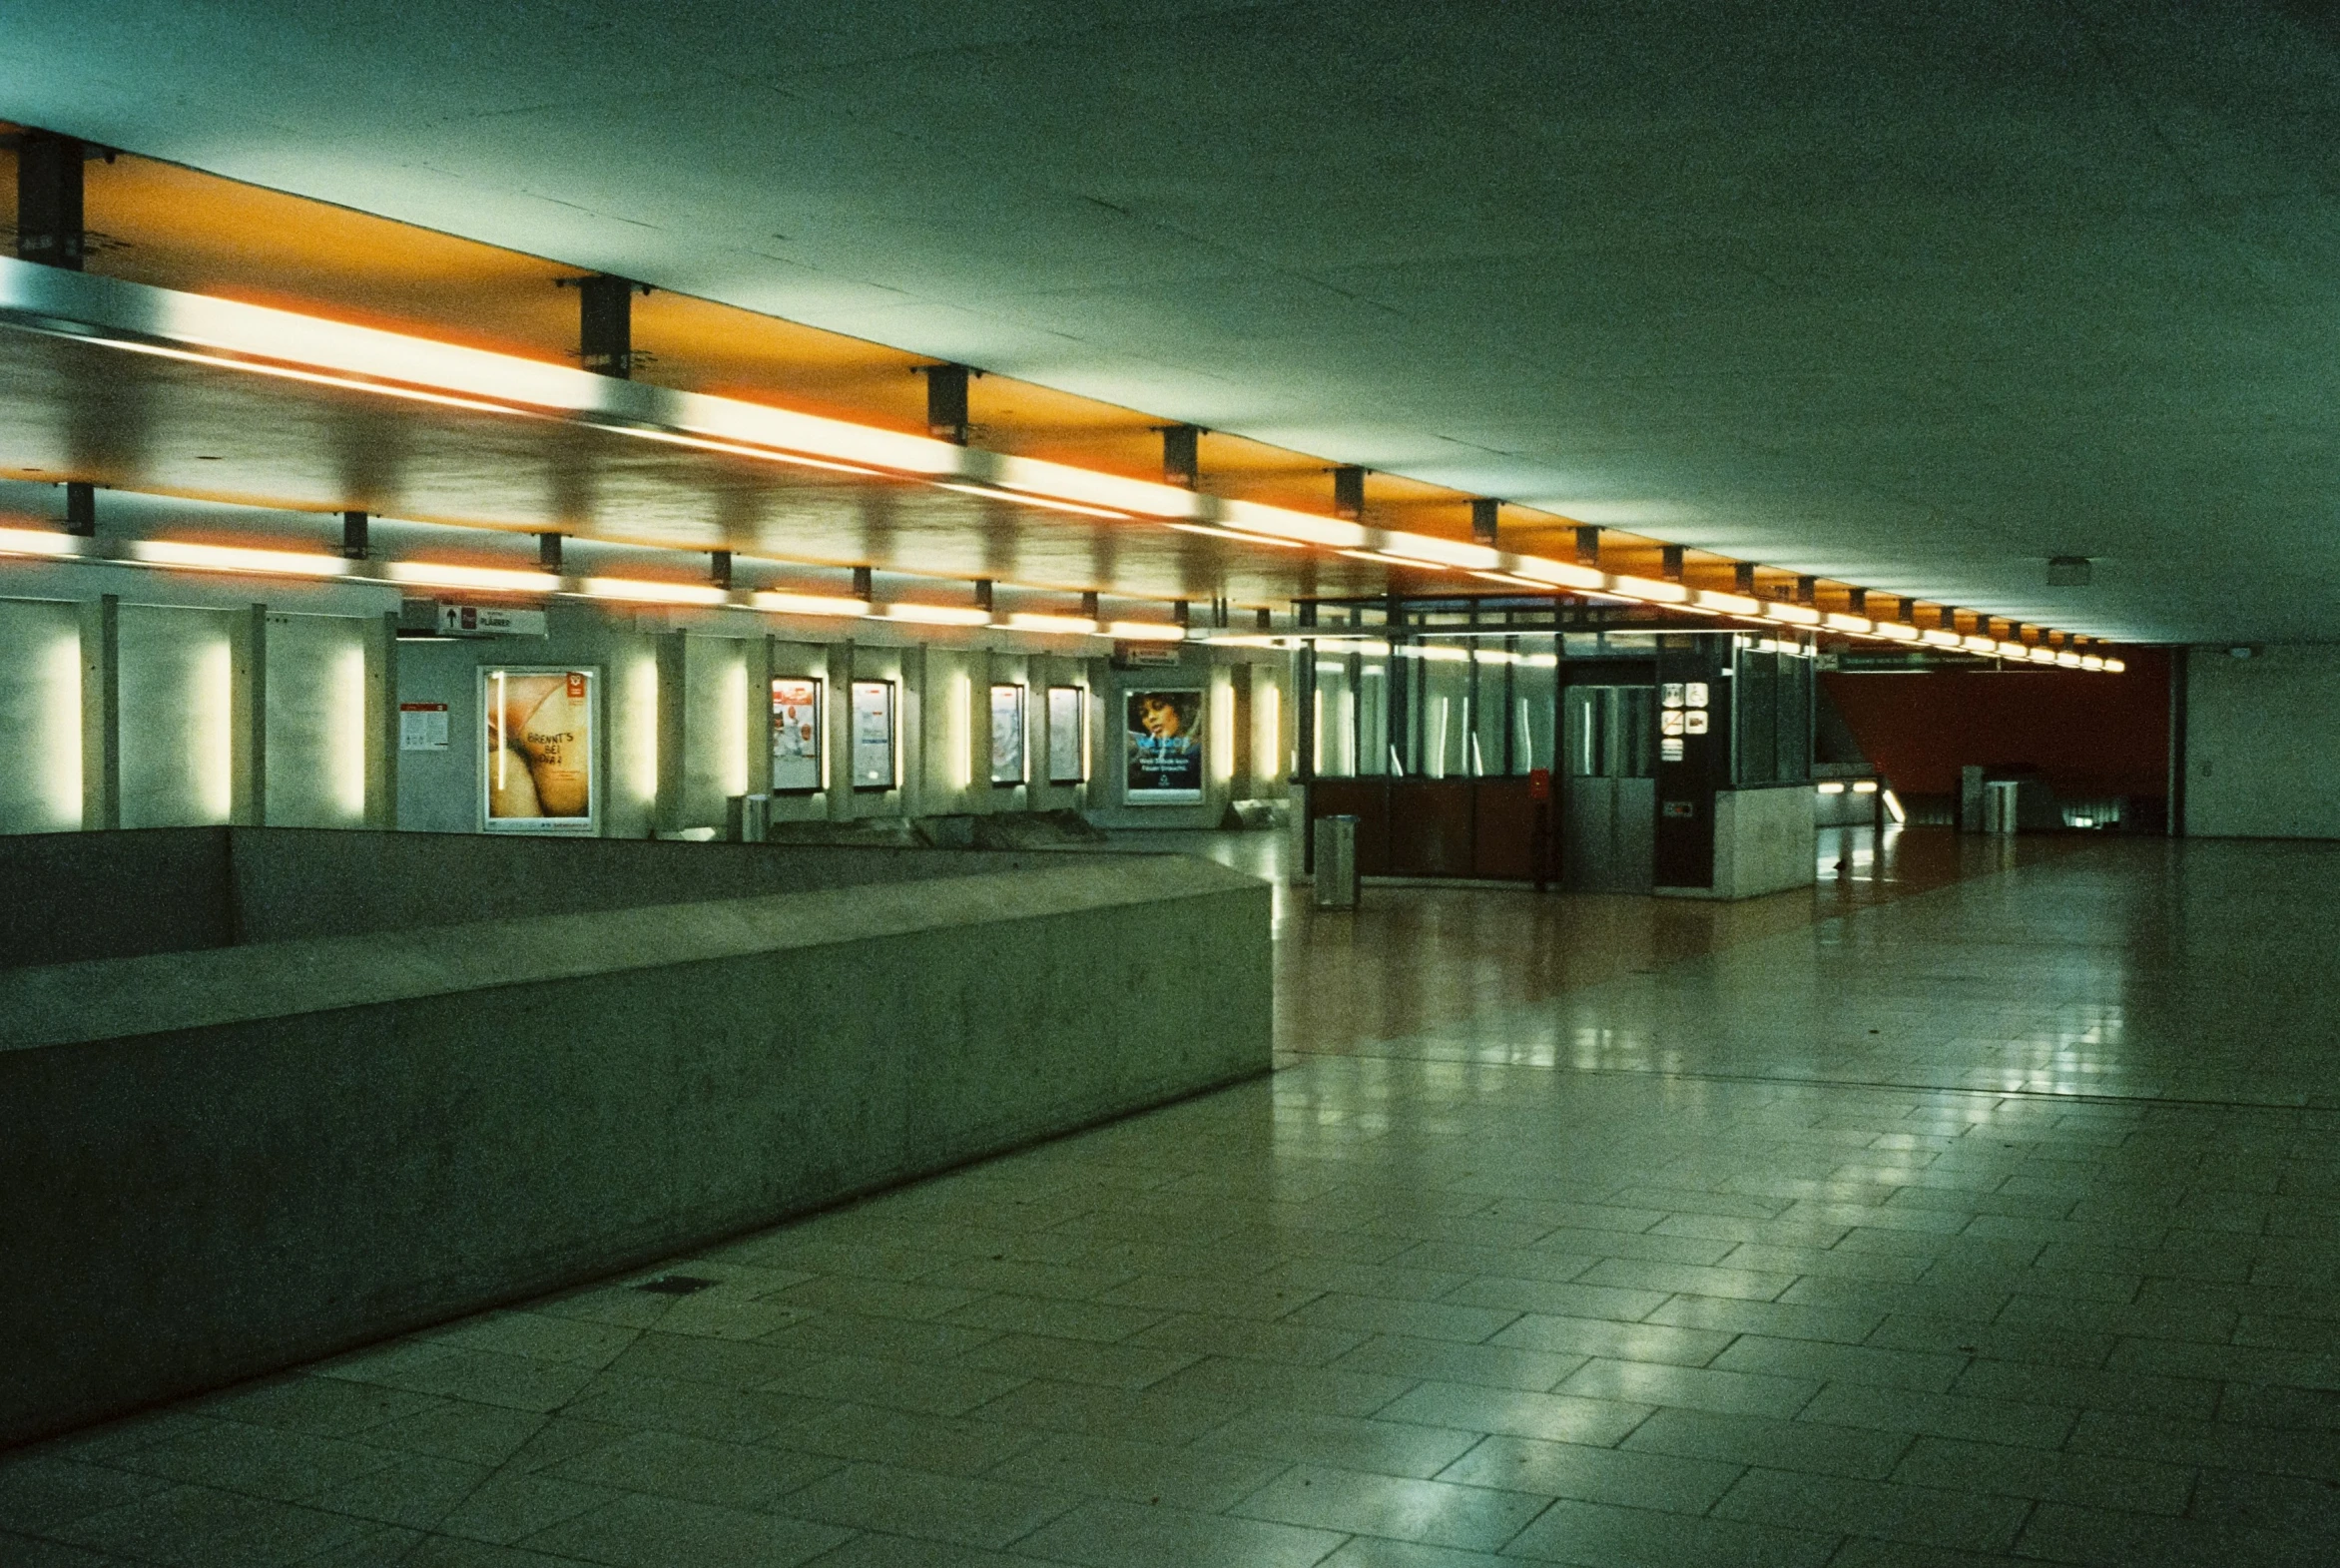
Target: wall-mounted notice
536,763
873,716
1068,750
422,727
1007,734
1165,749
796,732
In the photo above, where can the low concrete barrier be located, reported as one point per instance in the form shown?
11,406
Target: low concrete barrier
228,1160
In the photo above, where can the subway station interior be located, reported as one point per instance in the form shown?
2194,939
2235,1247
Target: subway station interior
1168,784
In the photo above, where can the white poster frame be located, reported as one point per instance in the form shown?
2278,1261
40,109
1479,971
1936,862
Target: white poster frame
494,679
865,744
783,719
1068,738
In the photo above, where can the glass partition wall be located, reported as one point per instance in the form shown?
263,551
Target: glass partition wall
1429,706
1426,721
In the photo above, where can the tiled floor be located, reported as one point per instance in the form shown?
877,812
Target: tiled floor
1934,1221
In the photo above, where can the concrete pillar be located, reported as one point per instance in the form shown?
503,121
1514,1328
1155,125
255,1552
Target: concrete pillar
1240,744
101,712
381,720
837,731
758,655
248,717
673,728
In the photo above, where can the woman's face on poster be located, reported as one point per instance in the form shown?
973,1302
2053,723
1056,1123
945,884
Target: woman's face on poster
1159,717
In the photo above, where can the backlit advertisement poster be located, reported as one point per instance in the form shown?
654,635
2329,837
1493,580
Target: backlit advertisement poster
1007,734
796,733
537,766
1067,739
872,717
1164,748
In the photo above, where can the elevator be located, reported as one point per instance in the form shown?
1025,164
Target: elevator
1609,788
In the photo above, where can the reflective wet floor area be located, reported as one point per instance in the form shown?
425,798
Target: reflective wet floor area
1983,1206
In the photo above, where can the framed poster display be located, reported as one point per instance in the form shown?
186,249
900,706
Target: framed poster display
872,715
1068,739
796,733
1007,734
538,762
1164,750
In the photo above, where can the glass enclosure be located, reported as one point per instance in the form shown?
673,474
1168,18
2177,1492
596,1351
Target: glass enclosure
1612,732
1772,738
1433,703
1432,707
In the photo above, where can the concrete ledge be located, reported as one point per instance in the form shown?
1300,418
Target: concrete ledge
227,1161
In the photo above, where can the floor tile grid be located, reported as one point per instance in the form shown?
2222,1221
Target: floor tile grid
945,1265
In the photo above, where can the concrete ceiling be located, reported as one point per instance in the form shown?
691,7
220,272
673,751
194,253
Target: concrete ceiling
1911,296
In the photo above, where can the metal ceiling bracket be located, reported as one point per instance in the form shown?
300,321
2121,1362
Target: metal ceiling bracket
49,199
1182,455
946,402
1483,513
356,541
1588,544
1348,493
548,552
1670,562
81,508
605,324
1743,577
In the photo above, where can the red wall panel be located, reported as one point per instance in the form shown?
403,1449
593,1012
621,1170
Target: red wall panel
2091,735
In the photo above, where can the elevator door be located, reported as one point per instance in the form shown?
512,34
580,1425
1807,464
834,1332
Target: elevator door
1609,799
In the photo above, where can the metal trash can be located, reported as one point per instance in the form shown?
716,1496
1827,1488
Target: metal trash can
1336,862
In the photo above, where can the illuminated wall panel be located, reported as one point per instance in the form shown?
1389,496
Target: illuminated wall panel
316,722
40,716
174,721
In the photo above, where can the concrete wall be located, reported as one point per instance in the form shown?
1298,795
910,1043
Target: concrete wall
162,889
2262,742
220,1163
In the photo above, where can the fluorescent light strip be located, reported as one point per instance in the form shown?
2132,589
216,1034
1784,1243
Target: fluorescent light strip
638,592
1725,604
1839,622
36,541
231,558
1385,558
434,574
1894,631
811,604
1027,621
735,449
1979,645
1792,614
2115,667
2092,662
1228,536
1252,518
1940,637
1146,632
936,614
1018,499
1559,575
1439,552
1649,589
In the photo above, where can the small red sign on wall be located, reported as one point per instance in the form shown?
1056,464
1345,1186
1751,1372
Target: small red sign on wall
1539,783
